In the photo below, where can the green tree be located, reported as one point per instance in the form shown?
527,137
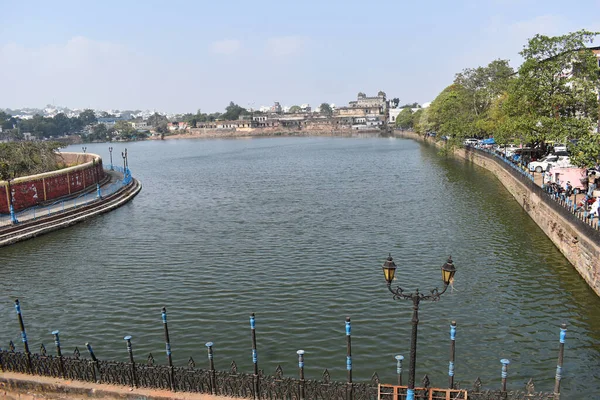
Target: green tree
87,117
449,114
326,109
554,96
404,120
295,109
156,119
411,105
484,84
233,112
62,124
27,158
162,128
99,133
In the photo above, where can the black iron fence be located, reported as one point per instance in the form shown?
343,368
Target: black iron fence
233,383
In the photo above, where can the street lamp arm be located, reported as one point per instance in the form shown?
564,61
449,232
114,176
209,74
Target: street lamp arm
399,294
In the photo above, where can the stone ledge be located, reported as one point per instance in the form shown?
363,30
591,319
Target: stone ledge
26,387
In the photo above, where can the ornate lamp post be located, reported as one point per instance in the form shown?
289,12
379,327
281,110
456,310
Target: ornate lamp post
110,149
389,271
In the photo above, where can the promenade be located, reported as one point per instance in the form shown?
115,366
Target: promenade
116,190
108,186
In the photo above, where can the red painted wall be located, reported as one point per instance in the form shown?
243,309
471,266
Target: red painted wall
29,193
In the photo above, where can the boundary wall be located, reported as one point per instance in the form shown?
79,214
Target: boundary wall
578,241
84,171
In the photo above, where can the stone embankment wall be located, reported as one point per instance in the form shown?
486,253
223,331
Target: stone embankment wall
578,241
83,171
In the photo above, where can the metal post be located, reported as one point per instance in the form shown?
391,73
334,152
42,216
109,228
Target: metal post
97,179
349,357
561,353
13,217
410,392
254,355
96,363
399,358
23,335
505,363
61,364
110,149
211,367
301,372
452,352
168,349
134,382
123,155
126,159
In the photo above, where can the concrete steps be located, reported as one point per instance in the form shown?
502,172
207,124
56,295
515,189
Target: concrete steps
31,229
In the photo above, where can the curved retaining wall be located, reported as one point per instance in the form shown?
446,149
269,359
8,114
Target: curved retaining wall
578,241
27,191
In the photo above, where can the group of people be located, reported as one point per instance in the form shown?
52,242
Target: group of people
591,183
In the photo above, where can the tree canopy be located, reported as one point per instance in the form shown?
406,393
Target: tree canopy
404,120
233,112
326,109
551,97
27,158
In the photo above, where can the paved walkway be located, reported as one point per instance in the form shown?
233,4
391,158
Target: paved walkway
21,386
66,203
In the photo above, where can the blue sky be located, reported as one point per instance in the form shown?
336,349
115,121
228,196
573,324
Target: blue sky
180,56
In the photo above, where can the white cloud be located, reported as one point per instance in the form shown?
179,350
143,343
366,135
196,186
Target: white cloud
227,46
286,45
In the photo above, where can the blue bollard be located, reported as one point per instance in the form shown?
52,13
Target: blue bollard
559,364
349,349
452,353
13,217
399,358
505,363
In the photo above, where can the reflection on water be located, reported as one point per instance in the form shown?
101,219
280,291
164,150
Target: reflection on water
295,230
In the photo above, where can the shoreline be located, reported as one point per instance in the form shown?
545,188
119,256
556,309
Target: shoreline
221,134
576,240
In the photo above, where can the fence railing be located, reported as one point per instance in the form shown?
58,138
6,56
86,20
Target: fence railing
90,196
234,383
562,204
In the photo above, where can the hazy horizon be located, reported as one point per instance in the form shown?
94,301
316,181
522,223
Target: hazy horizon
184,56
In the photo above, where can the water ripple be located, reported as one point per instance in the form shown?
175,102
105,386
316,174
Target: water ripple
296,229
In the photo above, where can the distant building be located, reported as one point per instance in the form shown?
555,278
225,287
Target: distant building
276,108
109,122
141,126
365,106
177,126
394,112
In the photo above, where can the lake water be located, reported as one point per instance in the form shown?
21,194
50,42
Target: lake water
296,230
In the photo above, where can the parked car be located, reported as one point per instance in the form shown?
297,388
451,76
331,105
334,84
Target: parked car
471,142
527,154
551,160
508,150
560,148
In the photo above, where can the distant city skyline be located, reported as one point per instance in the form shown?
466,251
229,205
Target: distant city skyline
184,56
